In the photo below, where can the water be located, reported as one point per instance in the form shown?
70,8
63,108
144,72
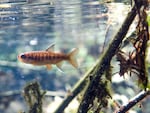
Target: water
34,25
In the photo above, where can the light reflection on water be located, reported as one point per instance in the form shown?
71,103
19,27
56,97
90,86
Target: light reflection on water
61,22
28,25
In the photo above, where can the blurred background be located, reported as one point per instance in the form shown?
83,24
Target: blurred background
27,25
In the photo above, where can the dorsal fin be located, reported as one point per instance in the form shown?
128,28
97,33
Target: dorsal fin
51,47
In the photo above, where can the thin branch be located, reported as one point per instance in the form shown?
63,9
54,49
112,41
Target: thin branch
134,101
18,92
6,97
13,93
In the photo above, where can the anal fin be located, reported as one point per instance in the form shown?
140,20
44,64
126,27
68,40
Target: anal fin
49,67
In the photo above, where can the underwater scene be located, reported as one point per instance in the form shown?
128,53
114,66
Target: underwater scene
50,45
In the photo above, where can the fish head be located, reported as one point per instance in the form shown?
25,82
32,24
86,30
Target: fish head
24,58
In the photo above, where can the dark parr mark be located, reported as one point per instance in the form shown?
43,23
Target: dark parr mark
47,57
38,57
42,57
35,57
31,57
54,57
58,57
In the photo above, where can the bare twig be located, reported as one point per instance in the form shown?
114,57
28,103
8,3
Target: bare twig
133,101
18,92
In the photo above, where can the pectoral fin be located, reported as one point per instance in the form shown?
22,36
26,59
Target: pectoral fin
49,67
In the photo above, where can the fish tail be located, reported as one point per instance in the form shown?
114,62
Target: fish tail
72,59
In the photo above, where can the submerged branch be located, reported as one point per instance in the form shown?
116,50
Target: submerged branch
33,96
134,101
18,92
99,68
105,61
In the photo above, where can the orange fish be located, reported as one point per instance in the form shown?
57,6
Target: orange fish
48,57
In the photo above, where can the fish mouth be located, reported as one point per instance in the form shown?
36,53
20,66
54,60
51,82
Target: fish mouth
19,58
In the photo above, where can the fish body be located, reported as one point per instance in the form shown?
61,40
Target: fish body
48,57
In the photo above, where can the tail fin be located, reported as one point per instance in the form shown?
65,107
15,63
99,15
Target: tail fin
72,59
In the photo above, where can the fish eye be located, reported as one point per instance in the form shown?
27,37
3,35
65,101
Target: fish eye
23,56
